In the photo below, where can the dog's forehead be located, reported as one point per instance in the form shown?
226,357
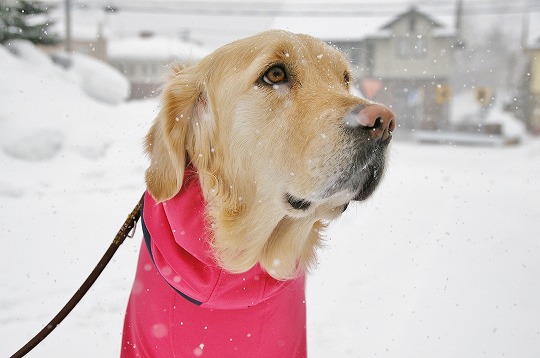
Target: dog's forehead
302,47
300,54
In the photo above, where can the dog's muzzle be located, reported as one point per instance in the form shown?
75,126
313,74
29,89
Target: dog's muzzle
370,127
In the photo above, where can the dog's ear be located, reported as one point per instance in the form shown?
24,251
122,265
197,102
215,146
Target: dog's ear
169,135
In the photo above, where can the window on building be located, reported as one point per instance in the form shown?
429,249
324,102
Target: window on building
127,69
411,46
412,24
145,69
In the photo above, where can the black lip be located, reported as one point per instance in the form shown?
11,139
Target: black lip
371,181
364,172
297,203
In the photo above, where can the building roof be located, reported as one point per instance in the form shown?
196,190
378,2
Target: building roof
90,20
413,11
329,21
359,25
159,48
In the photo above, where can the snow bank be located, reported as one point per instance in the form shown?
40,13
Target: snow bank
36,145
41,102
511,127
99,80
466,110
26,51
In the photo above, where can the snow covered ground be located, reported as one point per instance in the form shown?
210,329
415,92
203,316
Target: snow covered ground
443,261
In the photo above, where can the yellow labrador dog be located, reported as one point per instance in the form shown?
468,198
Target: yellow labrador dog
254,150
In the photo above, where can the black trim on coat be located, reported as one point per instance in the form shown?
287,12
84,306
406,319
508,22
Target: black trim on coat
148,240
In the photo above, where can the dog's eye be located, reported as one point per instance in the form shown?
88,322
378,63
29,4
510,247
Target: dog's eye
275,75
347,78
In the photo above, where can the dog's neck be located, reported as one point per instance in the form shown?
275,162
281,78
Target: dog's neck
249,229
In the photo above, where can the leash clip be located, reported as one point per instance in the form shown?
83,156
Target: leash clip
131,233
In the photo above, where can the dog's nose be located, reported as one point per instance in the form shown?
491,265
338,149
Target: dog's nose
375,118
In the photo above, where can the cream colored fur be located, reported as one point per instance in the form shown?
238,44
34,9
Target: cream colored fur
252,143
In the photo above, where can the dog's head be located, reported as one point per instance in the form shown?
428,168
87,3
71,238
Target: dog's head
279,142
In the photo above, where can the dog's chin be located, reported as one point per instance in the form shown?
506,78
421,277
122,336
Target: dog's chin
328,208
296,203
357,181
360,179
371,182
359,186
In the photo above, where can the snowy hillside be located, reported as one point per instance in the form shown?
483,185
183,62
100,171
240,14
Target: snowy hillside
443,261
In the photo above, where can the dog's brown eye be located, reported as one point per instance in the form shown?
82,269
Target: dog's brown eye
275,75
347,78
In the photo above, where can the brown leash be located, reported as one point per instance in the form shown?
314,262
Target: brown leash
124,232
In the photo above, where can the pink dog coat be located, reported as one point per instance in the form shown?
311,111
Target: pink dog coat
183,304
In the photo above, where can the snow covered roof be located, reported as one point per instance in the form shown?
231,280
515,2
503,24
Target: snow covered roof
154,48
359,26
89,20
331,28
412,11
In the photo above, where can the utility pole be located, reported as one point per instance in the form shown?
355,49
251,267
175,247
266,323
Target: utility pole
459,23
68,45
525,32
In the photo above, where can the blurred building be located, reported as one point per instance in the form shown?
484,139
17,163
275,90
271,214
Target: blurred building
407,62
529,96
145,60
122,39
401,56
88,40
403,59
411,56
533,113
